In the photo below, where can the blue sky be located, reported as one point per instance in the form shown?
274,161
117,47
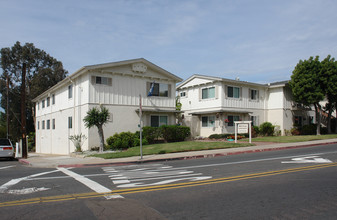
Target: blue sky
257,40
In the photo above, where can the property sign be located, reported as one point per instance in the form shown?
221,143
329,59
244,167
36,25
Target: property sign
242,128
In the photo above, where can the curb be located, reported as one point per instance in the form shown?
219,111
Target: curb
25,162
193,157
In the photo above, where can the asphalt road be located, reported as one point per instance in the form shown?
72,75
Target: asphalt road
287,184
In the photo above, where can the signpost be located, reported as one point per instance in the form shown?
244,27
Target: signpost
140,127
243,127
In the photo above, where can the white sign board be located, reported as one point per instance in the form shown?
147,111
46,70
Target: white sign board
242,128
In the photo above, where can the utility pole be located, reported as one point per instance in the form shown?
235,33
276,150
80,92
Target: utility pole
7,107
23,111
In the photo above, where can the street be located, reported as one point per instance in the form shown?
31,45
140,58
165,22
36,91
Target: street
287,184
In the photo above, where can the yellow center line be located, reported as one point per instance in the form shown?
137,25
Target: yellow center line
162,187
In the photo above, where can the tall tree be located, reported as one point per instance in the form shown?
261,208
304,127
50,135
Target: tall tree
97,117
43,71
329,77
307,85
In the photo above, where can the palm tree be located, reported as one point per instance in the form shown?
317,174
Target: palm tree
97,117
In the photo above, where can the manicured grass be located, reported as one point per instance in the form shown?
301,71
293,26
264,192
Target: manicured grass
172,148
290,139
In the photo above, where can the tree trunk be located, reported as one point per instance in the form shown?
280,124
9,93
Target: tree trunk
329,119
101,138
336,118
318,119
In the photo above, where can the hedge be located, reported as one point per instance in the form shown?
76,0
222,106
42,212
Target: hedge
174,133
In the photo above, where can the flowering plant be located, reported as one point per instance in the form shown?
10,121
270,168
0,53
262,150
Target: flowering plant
226,120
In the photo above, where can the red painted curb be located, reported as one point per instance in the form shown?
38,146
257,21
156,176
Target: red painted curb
23,161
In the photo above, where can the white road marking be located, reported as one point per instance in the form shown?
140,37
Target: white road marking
12,182
164,182
26,190
1,168
89,183
125,176
311,159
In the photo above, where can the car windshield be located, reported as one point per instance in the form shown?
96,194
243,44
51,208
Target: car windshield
4,142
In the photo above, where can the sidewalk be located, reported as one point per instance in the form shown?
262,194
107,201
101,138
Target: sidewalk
52,161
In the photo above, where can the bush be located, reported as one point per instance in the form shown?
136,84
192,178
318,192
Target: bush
137,141
267,129
255,131
295,131
218,136
309,129
324,130
122,140
151,133
174,133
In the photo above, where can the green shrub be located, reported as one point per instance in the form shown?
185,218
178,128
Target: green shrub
308,129
267,129
151,133
137,141
217,136
255,131
295,131
122,140
174,133
324,130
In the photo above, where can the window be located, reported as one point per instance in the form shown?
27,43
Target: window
232,118
48,101
70,122
43,103
103,80
254,94
38,105
157,121
53,99
233,92
255,120
53,124
311,120
298,121
38,125
208,121
182,94
43,124
70,91
208,93
48,124
159,89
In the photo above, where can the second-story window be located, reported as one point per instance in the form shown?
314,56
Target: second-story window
158,89
53,99
48,101
233,92
70,91
43,103
208,93
253,94
183,94
103,80
70,122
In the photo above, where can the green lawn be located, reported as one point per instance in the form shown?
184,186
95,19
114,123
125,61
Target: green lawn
196,145
171,148
290,139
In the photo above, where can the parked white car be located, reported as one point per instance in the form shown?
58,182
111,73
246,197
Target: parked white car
6,148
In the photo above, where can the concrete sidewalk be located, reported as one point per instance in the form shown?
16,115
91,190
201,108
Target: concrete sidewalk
52,161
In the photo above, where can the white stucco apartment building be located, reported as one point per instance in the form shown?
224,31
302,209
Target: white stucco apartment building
117,86
212,104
